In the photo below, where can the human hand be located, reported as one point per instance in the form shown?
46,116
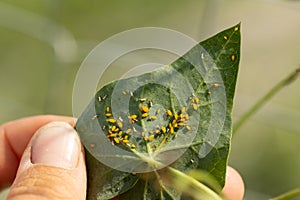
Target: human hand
45,163
53,167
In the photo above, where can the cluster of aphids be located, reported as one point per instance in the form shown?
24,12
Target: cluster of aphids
117,135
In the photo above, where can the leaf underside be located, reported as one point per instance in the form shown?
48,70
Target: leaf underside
199,87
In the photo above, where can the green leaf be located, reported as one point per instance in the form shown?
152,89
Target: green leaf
174,119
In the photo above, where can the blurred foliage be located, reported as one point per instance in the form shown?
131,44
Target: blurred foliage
38,67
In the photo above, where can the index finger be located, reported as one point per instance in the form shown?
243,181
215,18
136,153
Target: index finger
14,137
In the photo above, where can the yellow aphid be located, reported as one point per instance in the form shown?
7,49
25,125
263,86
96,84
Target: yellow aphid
171,130
181,124
126,137
111,121
143,134
215,85
128,131
133,147
195,107
175,125
119,123
163,129
236,28
157,131
107,109
183,109
134,117
120,133
112,135
151,137
169,113
170,125
124,92
117,140
175,116
116,130
158,111
225,37
113,128
144,115
174,121
108,115
125,141
188,128
187,116
153,118
197,100
144,109
232,57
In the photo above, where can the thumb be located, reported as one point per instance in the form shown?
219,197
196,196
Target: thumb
52,166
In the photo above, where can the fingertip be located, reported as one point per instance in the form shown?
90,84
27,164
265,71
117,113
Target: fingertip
52,165
234,186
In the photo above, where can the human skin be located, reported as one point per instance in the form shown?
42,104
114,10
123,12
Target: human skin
35,176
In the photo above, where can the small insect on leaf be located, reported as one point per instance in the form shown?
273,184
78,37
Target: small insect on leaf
108,114
144,109
169,113
120,133
153,118
128,131
117,140
125,141
171,130
233,57
119,123
175,116
112,121
144,115
195,107
150,138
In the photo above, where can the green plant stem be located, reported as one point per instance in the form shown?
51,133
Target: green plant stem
288,195
201,187
287,80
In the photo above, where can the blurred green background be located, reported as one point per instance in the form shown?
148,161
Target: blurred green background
42,44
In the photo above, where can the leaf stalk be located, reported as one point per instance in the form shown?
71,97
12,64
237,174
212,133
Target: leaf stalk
209,193
284,82
288,195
